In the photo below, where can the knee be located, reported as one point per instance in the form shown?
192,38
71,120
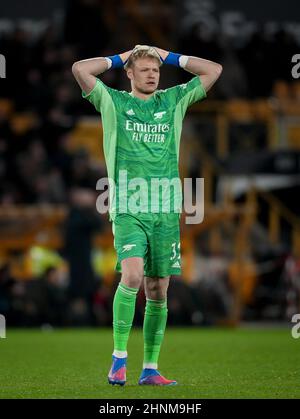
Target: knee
132,279
155,291
132,272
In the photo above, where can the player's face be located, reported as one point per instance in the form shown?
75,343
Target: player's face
145,75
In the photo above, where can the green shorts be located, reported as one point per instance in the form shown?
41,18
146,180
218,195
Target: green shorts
154,237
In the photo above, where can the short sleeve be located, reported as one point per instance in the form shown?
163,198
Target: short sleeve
184,95
191,92
98,95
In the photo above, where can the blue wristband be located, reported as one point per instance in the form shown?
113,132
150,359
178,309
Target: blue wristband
172,59
116,61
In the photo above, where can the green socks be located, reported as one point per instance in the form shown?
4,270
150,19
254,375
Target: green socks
123,313
155,321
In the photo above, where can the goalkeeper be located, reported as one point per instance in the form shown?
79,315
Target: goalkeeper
141,141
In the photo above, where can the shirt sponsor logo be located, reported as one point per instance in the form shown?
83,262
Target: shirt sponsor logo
144,127
147,133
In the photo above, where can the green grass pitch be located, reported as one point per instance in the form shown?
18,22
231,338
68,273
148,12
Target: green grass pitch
208,363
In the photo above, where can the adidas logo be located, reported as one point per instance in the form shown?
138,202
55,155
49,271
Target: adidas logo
176,264
128,247
130,112
159,115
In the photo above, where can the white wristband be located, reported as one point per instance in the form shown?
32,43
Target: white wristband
183,59
109,62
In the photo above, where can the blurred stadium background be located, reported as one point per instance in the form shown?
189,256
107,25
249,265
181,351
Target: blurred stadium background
56,252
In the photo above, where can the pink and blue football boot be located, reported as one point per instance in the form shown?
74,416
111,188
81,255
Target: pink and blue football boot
152,377
117,373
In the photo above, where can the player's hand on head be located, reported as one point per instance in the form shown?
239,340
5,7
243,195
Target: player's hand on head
152,50
162,53
140,48
125,55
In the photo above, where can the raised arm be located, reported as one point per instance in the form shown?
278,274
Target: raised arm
208,71
85,71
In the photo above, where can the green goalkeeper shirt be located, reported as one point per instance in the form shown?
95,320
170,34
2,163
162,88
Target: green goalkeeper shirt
141,141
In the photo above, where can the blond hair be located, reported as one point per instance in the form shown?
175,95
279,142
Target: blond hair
142,51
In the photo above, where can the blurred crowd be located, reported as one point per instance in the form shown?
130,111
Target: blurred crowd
251,67
50,301
38,164
269,291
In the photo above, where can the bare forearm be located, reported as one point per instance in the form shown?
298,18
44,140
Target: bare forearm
209,71
200,66
85,71
92,66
